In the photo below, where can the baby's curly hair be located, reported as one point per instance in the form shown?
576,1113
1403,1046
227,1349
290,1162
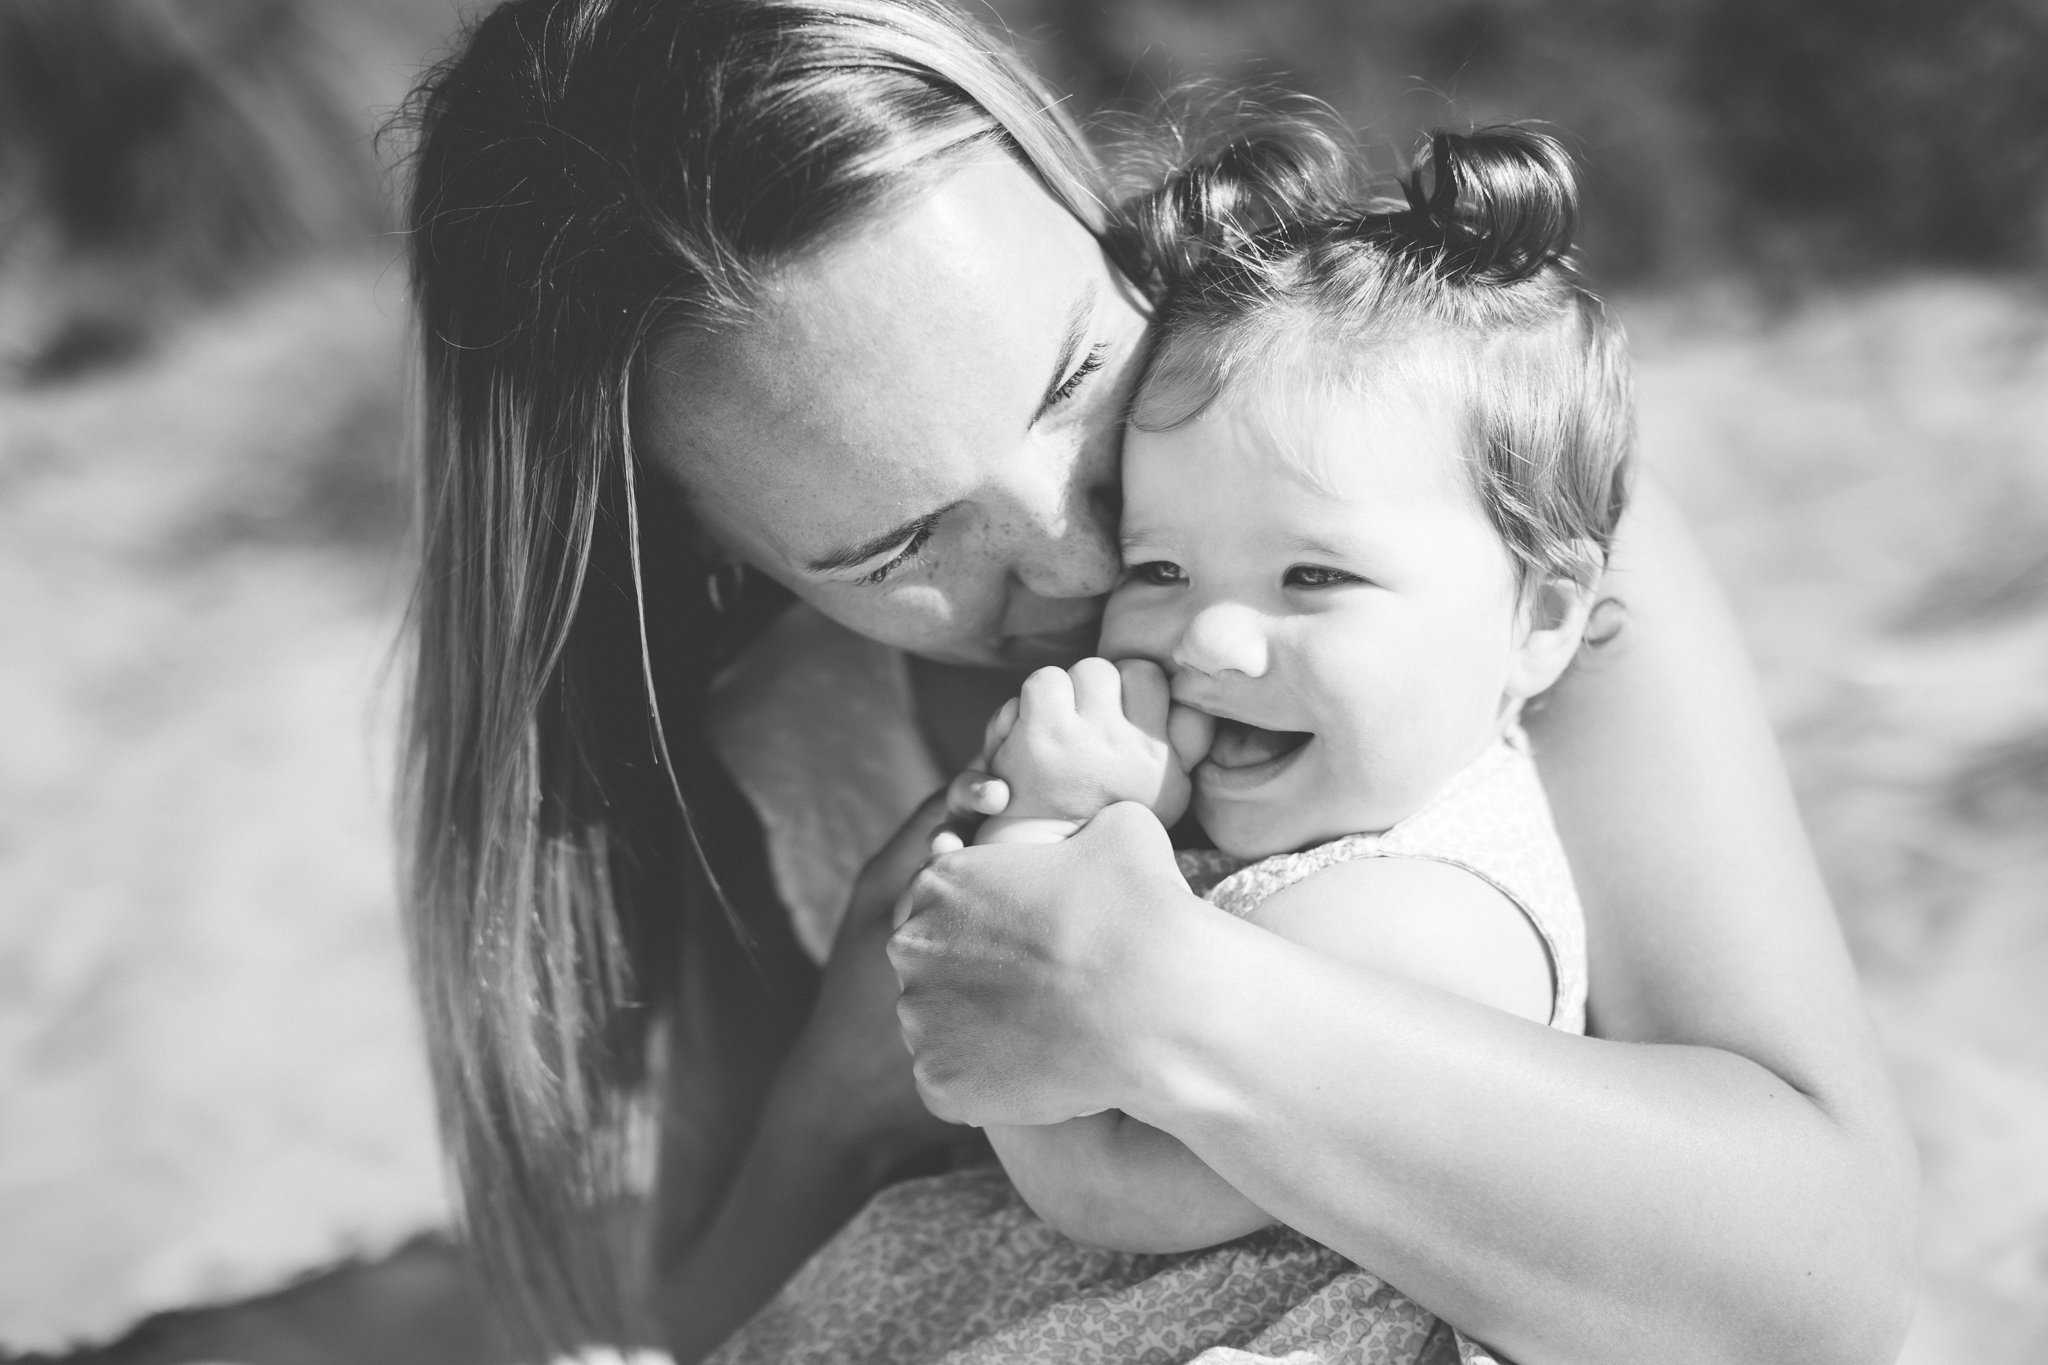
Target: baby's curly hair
1272,254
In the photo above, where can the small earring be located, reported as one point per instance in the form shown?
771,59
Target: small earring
724,585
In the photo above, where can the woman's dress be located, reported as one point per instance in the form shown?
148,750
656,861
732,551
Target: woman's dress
817,726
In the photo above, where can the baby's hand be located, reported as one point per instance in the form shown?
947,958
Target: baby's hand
1077,740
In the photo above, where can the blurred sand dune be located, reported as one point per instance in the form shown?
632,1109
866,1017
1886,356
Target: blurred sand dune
211,1075
211,1070
1870,474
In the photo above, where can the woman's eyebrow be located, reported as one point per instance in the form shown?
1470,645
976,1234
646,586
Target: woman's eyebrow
1078,318
851,555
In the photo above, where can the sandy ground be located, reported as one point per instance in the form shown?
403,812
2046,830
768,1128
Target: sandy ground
207,1055
209,1072
1871,478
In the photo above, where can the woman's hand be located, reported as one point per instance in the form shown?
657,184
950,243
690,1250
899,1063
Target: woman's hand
849,1076
975,793
1023,970
843,1113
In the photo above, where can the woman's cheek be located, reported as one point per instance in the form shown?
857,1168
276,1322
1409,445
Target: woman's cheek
917,618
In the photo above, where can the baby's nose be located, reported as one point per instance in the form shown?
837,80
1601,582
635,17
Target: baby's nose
1225,637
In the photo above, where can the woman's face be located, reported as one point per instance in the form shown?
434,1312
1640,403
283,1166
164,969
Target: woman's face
916,430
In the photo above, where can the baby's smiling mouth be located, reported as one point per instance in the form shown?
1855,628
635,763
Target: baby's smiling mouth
1239,745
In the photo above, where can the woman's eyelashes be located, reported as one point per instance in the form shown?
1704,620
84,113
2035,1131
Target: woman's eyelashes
908,554
1071,385
913,548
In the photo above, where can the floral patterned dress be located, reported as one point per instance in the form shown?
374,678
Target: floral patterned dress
957,1270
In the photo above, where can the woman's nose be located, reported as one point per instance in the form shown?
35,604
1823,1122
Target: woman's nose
1224,637
1061,528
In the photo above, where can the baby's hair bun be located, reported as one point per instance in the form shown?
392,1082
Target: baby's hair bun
1266,179
1503,204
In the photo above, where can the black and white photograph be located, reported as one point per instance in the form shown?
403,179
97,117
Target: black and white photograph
1023,682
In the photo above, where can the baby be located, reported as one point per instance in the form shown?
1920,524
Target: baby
1373,469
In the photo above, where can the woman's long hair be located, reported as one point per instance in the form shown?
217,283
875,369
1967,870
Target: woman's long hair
588,176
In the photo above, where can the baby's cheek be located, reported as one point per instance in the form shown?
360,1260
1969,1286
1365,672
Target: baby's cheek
1354,699
1131,631
1345,674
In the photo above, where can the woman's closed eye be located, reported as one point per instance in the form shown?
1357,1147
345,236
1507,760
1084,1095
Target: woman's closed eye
1317,576
1071,385
907,554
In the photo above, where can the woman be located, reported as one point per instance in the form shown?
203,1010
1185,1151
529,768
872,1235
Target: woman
823,293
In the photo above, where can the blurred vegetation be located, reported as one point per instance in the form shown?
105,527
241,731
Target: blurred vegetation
161,154
1812,139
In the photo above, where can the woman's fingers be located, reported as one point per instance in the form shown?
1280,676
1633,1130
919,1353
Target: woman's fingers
892,868
971,797
900,911
973,794
849,1064
1011,967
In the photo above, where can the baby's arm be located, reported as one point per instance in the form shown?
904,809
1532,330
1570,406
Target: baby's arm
1113,1181
1073,742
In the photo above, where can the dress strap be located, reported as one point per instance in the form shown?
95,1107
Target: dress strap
1493,821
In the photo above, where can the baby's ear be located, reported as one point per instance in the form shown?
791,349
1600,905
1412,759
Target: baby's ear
1553,623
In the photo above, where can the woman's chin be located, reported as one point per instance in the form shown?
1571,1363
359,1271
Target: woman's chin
1055,649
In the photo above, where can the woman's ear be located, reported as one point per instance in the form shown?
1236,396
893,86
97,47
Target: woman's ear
1552,626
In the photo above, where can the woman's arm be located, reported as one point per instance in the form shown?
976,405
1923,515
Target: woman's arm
1113,1181
1723,1176
841,1116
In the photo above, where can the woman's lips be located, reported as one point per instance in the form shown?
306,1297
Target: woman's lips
1245,755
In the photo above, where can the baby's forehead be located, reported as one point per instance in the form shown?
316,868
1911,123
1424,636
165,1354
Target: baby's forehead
1290,348
1339,428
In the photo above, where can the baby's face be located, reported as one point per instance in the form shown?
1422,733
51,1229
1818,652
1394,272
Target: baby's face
1356,642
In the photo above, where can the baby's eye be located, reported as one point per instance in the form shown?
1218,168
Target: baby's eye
1159,573
1317,576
